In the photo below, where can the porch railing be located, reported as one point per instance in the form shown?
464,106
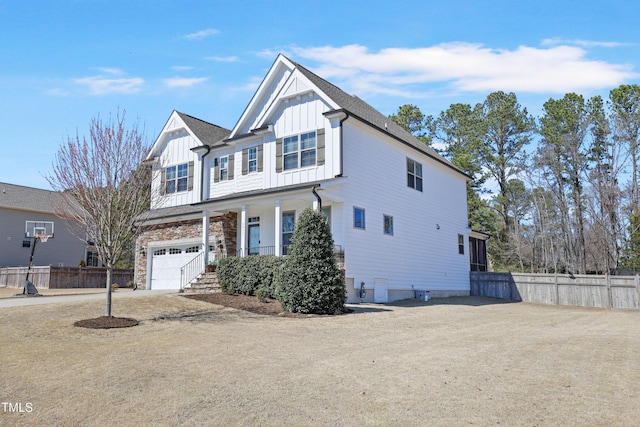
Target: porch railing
338,252
191,270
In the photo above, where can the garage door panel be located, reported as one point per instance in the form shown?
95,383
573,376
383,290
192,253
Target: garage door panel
166,265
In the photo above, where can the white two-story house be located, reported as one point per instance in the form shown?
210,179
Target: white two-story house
396,208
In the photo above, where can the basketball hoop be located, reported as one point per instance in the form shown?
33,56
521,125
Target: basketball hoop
43,237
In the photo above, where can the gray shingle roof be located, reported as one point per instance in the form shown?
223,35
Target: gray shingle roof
26,198
207,133
367,113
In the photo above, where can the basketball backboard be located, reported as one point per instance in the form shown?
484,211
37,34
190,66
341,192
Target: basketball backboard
38,228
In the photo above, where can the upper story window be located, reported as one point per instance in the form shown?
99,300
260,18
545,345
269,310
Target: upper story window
414,174
223,168
177,178
460,244
253,159
300,151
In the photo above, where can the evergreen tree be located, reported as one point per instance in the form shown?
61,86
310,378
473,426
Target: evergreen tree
310,281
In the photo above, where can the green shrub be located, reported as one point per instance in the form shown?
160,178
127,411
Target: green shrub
246,275
309,280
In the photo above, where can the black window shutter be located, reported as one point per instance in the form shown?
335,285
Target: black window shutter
279,155
216,170
320,147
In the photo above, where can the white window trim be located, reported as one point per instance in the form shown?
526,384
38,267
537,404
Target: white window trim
415,175
384,225
252,161
176,179
224,172
364,218
299,151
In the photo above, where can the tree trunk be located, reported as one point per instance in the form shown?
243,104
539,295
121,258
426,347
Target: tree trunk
108,311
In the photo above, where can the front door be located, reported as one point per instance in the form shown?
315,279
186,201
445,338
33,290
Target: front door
254,236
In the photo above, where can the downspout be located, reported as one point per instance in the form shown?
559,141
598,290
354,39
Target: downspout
313,190
202,173
342,144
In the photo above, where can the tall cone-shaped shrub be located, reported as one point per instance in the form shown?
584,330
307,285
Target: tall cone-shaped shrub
310,281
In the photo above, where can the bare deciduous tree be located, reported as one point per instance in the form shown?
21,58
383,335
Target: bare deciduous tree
104,185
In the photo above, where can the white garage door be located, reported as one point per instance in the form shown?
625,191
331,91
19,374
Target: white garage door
166,265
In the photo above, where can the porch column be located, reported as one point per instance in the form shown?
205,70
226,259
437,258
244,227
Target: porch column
243,230
205,236
278,233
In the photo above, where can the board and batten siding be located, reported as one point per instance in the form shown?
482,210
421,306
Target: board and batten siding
177,151
293,117
419,253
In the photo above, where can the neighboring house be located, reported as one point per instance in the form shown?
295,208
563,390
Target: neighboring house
396,208
20,204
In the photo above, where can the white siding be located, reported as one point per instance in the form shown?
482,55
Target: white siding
294,116
418,253
176,150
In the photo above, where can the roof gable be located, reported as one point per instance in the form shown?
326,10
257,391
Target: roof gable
204,132
286,79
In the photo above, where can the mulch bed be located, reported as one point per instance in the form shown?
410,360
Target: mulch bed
252,304
106,322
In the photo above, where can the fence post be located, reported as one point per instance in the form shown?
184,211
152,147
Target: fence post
608,282
555,279
637,283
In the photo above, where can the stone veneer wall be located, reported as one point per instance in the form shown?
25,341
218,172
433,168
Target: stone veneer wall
223,228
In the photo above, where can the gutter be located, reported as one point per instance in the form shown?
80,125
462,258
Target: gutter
342,143
313,190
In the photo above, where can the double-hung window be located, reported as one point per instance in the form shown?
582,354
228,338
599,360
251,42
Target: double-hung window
176,178
253,159
299,151
414,174
387,225
224,168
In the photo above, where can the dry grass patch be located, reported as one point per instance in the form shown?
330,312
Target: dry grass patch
449,362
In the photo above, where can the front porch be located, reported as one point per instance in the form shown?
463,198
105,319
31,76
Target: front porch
173,252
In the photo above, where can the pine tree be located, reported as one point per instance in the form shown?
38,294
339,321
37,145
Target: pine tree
310,281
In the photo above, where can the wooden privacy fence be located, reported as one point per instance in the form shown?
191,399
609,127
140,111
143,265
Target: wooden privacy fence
52,277
613,292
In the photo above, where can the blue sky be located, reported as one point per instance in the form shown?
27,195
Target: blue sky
64,62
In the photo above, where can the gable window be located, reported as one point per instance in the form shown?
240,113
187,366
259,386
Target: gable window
460,244
414,174
388,225
299,151
177,178
358,218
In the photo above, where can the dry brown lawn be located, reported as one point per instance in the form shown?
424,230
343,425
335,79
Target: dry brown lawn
458,361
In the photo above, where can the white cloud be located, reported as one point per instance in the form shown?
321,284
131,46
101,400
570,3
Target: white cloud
101,85
199,35
184,81
181,68
111,71
579,42
223,58
465,67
